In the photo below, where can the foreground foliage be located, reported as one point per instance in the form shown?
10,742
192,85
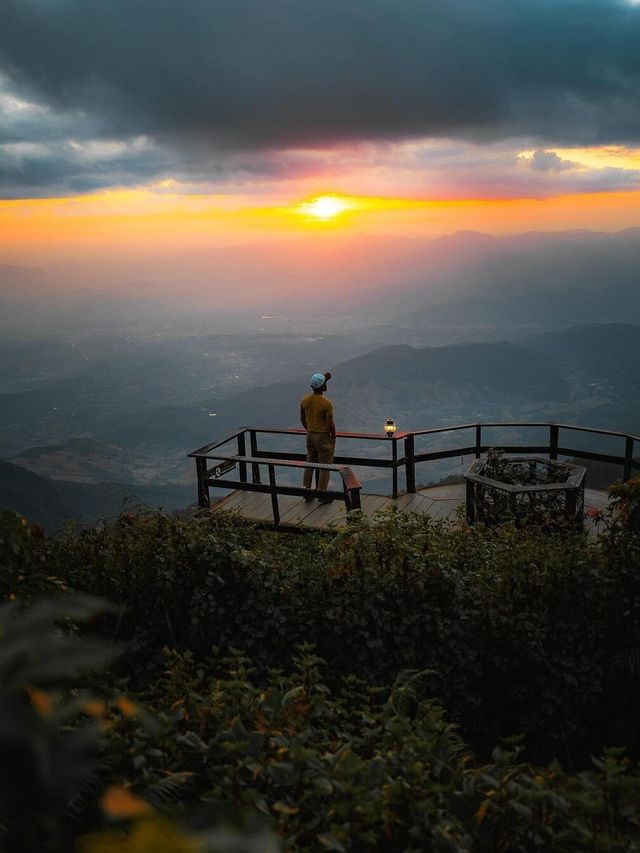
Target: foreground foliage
220,763
419,646
524,632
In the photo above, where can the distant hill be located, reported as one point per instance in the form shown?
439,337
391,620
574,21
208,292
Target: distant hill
27,364
548,279
502,368
50,503
87,460
419,385
53,391
608,351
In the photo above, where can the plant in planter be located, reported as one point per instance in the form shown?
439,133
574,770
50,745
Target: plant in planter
527,490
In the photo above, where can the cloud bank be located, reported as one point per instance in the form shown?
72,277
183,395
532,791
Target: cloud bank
205,81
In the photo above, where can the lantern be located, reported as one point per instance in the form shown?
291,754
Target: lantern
390,428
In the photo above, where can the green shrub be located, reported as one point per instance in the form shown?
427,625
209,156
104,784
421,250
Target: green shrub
524,631
215,759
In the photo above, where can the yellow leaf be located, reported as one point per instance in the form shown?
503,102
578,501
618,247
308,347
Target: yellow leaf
148,836
41,701
283,808
118,802
126,707
94,708
482,810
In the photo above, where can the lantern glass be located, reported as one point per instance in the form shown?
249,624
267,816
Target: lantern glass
390,428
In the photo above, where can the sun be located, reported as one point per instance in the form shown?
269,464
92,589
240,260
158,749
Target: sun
324,206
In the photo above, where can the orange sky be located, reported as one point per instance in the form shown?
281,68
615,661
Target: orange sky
142,220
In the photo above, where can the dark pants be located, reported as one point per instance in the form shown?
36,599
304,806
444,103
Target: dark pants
320,448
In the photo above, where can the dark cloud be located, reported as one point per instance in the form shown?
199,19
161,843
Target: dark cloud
69,168
280,73
207,77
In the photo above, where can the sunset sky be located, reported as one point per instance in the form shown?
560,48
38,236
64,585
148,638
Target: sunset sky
148,125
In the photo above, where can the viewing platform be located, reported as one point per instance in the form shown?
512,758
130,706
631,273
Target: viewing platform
264,485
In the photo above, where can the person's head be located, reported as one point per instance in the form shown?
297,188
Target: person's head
319,382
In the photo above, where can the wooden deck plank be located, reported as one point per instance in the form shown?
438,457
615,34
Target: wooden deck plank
325,514
375,503
443,510
295,512
416,503
403,501
300,510
453,492
229,502
263,510
226,501
246,501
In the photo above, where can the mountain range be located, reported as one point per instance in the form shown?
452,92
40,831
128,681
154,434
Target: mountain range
50,503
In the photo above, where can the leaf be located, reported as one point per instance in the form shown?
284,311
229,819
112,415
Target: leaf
322,785
482,811
168,789
292,694
126,707
41,701
284,808
155,835
118,802
330,842
525,811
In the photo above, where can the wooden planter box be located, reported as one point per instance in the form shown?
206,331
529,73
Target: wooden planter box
554,491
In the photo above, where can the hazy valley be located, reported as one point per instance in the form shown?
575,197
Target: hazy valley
117,393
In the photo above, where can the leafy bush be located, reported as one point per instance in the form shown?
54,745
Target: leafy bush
58,738
223,762
625,499
524,632
187,744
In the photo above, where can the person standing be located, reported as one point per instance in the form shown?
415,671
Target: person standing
316,416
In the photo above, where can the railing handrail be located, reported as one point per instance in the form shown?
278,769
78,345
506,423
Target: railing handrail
281,463
528,424
366,436
400,434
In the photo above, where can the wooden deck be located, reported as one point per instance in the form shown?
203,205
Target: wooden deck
439,502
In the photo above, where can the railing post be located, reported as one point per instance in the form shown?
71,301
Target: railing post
255,467
242,451
553,441
410,463
351,496
478,440
470,502
274,496
628,459
394,456
203,488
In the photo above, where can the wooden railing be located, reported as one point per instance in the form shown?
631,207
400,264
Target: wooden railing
402,455
208,477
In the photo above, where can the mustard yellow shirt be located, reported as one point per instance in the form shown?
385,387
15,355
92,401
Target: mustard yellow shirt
318,412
